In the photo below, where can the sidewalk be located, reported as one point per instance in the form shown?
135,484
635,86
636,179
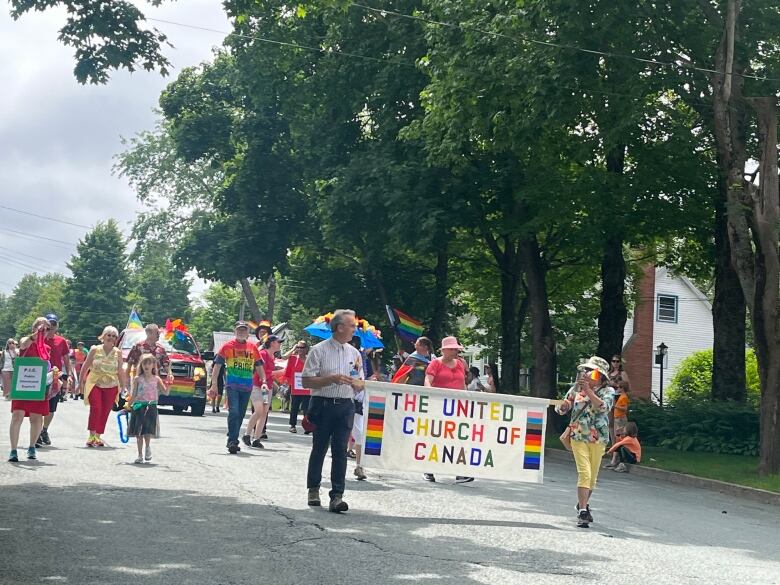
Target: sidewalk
748,493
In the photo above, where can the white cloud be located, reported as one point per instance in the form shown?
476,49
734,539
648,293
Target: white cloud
58,138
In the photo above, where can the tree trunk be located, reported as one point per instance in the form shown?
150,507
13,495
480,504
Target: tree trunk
510,348
613,314
440,288
249,295
728,315
765,309
271,298
542,335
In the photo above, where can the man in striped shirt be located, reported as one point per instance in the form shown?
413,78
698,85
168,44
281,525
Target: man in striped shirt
334,371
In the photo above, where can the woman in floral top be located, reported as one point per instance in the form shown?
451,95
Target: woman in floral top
590,400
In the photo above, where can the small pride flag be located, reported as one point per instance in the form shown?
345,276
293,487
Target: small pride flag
408,328
134,321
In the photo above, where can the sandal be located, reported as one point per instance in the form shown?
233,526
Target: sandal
98,442
293,430
351,454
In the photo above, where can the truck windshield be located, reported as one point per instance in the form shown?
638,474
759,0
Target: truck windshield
181,343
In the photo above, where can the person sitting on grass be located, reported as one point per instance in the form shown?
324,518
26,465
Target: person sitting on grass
627,451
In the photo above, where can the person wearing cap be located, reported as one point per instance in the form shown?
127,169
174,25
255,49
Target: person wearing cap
447,371
334,372
59,350
9,355
292,374
589,402
241,360
261,394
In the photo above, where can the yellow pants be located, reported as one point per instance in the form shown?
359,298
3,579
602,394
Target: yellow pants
587,457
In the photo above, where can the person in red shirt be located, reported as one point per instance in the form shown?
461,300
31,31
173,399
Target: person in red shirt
261,394
33,345
292,375
447,371
59,352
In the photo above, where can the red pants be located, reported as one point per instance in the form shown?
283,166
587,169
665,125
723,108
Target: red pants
100,401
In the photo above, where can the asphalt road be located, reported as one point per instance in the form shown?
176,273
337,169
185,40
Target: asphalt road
198,515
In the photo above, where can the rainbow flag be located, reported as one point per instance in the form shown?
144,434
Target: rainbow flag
406,327
134,321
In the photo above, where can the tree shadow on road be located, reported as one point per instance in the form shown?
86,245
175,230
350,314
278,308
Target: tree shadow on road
91,534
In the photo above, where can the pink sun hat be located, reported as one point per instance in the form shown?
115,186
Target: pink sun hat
451,343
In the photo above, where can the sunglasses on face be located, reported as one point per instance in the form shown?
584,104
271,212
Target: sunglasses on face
110,335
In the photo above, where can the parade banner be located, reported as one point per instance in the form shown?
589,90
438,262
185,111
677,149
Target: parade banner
454,432
29,379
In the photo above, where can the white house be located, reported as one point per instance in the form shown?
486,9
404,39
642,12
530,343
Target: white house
669,310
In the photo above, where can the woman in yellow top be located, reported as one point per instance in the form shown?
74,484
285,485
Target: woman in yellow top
101,377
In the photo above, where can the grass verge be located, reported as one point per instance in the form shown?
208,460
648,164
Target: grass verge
731,468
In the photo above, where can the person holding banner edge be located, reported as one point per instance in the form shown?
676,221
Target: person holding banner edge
589,401
334,372
447,371
31,346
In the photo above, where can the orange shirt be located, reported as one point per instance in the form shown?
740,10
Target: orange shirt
621,406
630,443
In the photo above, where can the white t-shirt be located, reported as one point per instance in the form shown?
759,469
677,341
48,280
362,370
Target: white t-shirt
8,360
475,385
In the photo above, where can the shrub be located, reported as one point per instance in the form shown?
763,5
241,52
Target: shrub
688,425
693,379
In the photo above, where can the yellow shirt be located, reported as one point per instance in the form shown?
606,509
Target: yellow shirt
102,372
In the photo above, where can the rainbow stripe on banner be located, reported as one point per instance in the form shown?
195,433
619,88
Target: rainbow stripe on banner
533,440
375,425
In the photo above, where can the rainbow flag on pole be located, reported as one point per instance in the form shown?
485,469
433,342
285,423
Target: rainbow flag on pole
134,321
406,327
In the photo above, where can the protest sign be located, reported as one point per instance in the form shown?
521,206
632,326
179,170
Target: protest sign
29,379
455,432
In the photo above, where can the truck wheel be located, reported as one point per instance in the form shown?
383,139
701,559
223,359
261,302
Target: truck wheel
197,408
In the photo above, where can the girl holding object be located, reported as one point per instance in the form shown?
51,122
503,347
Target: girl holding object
143,405
101,377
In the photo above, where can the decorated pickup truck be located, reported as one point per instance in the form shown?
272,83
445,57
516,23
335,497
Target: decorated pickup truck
188,389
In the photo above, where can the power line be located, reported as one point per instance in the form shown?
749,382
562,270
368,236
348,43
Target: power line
44,217
37,237
325,51
569,47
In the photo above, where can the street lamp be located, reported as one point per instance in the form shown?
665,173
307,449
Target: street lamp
660,354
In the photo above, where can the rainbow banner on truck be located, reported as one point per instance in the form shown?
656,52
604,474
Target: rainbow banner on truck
454,432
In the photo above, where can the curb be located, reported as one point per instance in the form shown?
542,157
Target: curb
732,489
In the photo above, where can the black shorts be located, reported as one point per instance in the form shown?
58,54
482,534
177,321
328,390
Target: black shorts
53,402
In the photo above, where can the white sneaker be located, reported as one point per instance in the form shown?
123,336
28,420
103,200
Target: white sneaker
139,459
148,454
621,468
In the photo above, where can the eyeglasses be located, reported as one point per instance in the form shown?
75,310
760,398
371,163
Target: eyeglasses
615,361
110,335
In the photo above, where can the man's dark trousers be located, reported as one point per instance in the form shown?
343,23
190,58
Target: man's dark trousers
334,418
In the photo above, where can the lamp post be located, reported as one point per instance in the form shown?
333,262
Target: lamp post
660,354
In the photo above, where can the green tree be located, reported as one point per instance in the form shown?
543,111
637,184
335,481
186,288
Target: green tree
217,311
693,379
50,300
26,299
96,293
105,36
158,288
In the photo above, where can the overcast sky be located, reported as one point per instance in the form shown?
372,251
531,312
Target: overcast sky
58,138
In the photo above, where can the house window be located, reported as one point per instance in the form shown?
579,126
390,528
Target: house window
667,308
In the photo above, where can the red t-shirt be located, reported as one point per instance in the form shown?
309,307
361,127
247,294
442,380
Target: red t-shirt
295,366
58,351
444,377
268,368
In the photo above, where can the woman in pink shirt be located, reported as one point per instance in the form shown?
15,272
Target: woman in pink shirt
447,371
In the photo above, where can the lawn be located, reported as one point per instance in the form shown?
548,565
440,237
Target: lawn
731,468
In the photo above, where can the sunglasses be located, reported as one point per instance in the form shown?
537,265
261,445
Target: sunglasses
615,361
110,335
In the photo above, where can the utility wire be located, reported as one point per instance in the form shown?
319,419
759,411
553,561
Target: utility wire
322,50
36,237
43,217
569,47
